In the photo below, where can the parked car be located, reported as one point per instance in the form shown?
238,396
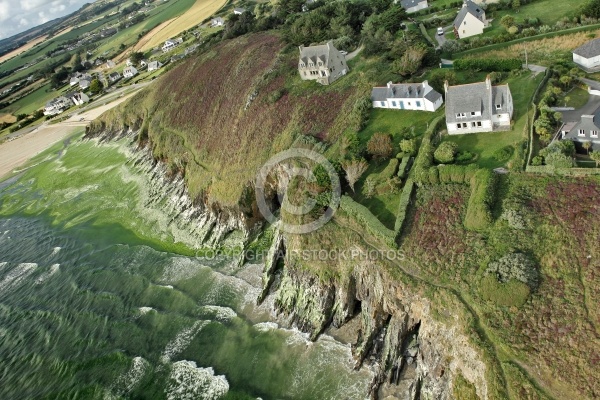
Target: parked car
344,52
440,31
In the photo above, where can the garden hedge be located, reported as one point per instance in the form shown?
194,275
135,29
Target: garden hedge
403,206
488,64
366,218
479,208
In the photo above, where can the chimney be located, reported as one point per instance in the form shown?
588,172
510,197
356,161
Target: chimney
464,3
389,84
445,88
301,47
488,82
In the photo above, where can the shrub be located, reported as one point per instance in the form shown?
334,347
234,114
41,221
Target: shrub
409,146
402,167
456,173
515,266
514,219
504,153
380,145
445,152
403,206
537,160
479,214
464,156
360,113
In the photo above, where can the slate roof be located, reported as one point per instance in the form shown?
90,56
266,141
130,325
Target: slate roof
322,52
589,49
500,97
404,91
468,98
588,123
406,4
470,8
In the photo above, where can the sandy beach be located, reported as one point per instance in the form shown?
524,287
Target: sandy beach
16,152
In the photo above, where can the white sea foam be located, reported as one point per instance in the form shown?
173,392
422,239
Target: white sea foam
221,314
266,326
16,276
42,278
187,381
181,341
128,381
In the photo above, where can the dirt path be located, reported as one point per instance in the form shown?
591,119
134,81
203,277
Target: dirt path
16,152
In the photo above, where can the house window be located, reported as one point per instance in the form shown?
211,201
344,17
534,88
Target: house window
393,104
498,106
409,103
594,134
464,23
304,73
461,115
320,63
382,103
581,132
418,104
472,113
479,124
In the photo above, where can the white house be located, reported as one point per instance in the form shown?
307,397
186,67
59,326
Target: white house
587,56
239,11
128,63
154,65
110,64
78,98
114,76
74,80
85,83
470,20
323,63
406,96
170,44
217,22
57,105
411,6
130,72
143,63
478,107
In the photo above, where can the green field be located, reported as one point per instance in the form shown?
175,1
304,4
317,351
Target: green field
394,121
33,101
577,98
484,145
129,36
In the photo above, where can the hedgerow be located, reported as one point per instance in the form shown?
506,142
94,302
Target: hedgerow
487,64
366,218
402,167
403,205
479,208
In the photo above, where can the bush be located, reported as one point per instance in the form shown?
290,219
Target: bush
514,219
456,173
464,156
403,206
402,167
515,266
409,146
537,160
360,113
504,153
445,152
380,145
479,208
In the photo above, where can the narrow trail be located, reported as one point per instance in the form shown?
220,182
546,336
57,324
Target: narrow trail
479,326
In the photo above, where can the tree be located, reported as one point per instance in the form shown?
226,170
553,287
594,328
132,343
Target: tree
136,57
411,60
567,99
439,76
516,4
21,117
507,21
354,170
380,145
587,146
350,145
96,86
595,155
409,146
445,152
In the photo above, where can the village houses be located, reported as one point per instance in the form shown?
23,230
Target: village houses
170,44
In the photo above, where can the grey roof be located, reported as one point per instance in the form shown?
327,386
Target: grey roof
322,52
468,98
469,8
589,49
404,91
500,95
406,4
588,123
154,65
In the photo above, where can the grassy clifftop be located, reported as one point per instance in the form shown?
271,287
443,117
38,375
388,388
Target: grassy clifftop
218,117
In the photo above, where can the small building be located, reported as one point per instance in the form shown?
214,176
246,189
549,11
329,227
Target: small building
176,58
323,63
85,83
129,72
110,64
128,63
57,105
154,65
78,98
215,22
74,79
189,50
170,44
587,56
239,11
478,107
114,76
143,63
406,96
470,20
587,129
412,6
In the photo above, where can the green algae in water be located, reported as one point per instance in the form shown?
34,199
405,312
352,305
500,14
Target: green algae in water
95,302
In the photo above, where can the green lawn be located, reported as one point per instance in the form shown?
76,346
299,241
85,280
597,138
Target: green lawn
577,97
394,121
484,145
31,102
548,12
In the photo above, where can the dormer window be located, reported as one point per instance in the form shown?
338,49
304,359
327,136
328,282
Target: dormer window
594,134
581,132
498,106
461,115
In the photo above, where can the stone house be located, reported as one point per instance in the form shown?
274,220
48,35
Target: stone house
323,63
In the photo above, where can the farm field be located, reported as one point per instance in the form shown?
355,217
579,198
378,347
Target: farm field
22,49
201,10
32,102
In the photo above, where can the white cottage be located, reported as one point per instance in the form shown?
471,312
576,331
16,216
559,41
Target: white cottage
469,21
406,96
587,56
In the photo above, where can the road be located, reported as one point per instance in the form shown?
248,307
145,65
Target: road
17,151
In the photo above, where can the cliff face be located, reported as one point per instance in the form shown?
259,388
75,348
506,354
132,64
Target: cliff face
416,356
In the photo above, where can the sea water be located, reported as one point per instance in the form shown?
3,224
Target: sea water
100,298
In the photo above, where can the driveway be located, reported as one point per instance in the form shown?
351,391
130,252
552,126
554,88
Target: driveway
350,56
592,105
441,39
